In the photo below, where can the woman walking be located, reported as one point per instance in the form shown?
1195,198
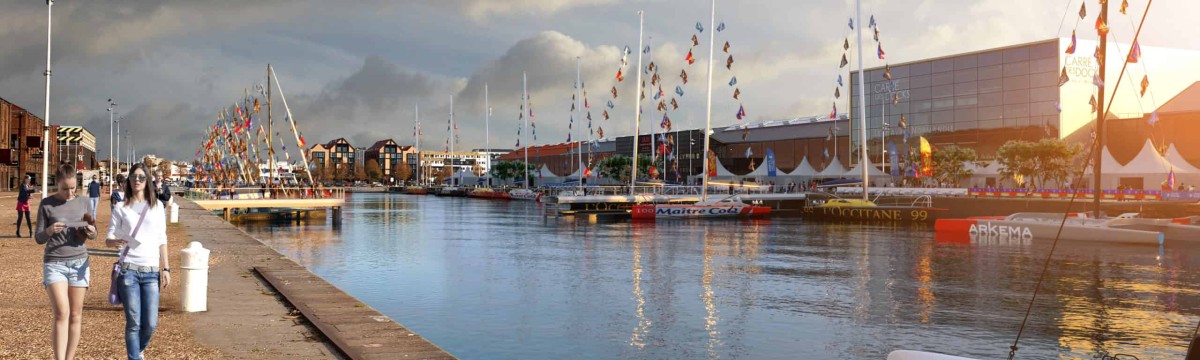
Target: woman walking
63,226
23,195
145,270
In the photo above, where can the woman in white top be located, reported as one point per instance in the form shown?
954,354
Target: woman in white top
146,269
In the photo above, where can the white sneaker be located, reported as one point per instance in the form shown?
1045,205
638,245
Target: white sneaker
142,355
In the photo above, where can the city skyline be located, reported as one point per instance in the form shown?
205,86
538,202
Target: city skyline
355,71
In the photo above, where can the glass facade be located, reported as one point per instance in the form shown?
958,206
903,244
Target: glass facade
977,100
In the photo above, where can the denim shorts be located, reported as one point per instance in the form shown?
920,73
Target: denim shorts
76,272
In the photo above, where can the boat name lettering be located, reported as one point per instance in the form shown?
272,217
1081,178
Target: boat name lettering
731,210
990,230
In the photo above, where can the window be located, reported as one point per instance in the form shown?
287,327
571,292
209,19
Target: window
968,88
991,72
1017,97
945,78
1016,55
991,112
943,65
965,62
1017,68
965,75
943,91
1020,82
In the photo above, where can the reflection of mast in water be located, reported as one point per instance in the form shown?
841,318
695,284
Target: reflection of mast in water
862,292
638,339
709,298
925,296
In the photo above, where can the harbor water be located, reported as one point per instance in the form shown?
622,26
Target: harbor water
501,280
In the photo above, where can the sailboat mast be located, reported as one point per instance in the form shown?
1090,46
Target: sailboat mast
271,130
292,121
417,134
1103,63
862,101
708,111
579,110
487,132
637,104
525,116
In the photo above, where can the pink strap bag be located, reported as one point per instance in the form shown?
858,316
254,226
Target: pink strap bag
114,297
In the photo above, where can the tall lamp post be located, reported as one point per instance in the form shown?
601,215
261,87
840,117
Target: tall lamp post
112,109
46,114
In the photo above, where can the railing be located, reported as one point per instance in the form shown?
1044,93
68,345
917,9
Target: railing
889,191
252,193
1120,195
659,190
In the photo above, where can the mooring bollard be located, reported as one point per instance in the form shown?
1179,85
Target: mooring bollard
195,277
174,212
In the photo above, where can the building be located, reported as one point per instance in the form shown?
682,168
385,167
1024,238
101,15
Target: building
332,160
21,155
389,155
77,145
466,163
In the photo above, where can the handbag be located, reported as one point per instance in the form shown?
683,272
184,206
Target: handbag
114,297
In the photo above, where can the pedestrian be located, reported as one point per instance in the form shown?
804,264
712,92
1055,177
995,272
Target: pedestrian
64,225
161,190
118,192
23,195
93,196
139,224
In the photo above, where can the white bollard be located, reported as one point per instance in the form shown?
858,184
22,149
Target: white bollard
195,277
174,212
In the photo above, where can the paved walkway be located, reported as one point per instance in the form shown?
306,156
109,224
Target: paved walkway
248,319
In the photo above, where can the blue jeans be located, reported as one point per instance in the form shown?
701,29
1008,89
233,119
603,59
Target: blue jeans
93,202
139,293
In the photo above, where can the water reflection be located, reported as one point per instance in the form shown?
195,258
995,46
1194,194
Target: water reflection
501,280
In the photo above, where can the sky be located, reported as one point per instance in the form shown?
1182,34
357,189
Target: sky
358,69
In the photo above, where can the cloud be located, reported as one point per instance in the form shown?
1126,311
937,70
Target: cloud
481,9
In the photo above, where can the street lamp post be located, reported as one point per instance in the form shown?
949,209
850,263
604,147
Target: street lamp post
112,108
46,114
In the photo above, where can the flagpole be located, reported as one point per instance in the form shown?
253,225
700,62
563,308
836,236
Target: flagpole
637,103
292,122
862,101
708,111
653,134
1103,63
450,155
579,110
525,117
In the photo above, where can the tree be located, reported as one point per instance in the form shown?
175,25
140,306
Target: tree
373,171
949,164
341,172
360,173
617,167
508,170
1037,163
401,171
443,174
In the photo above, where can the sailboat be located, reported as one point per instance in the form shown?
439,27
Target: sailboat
417,189
524,193
917,209
728,207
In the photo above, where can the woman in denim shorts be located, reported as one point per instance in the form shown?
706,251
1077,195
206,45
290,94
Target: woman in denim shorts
64,225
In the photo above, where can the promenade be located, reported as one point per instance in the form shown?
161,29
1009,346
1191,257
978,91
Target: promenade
246,317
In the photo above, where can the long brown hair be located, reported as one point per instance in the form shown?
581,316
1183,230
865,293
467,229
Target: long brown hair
147,193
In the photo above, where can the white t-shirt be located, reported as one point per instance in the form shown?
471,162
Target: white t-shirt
143,249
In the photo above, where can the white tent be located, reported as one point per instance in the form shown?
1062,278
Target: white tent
805,169
1147,162
834,170
1181,165
872,171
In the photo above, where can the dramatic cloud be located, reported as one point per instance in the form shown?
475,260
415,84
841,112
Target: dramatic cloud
356,69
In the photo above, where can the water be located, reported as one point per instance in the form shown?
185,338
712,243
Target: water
499,280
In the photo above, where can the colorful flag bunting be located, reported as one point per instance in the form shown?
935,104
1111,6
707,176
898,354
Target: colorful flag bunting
1062,78
887,71
1071,48
1135,53
1124,5
737,93
610,103
741,112
678,90
733,81
833,114
872,23
1145,84
851,24
837,93
1096,80
605,114
690,59
614,92
695,40
699,27
877,34
600,132
1153,119
879,51
1092,102
620,76
903,122
721,26
840,78
1082,10
674,104
726,48
1101,26
683,75
844,63
729,62
846,44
